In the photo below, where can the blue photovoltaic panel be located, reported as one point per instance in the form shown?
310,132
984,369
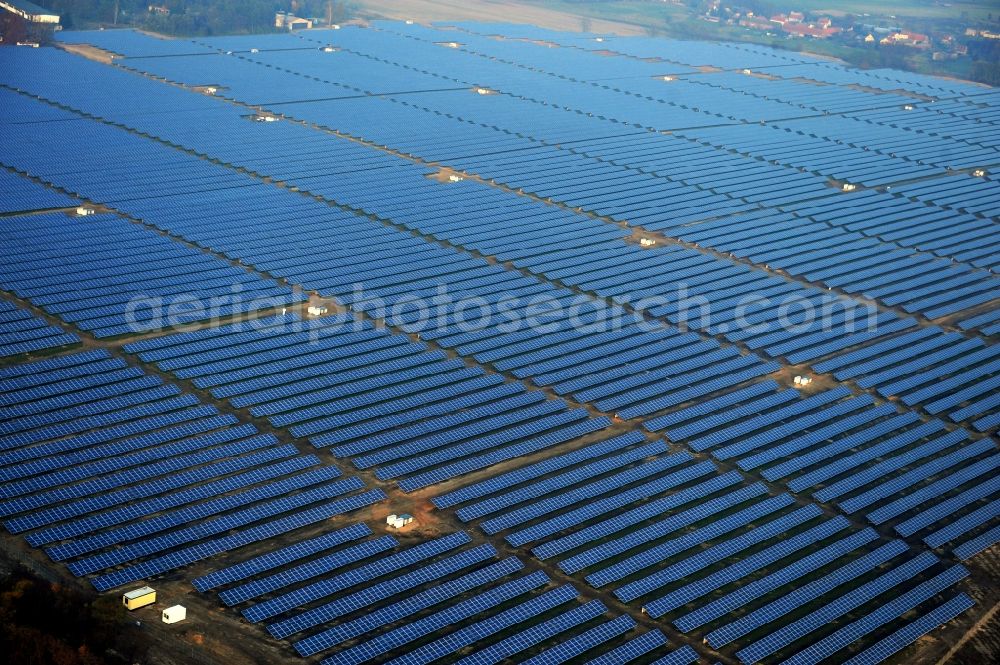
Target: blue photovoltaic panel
639,514
584,642
392,639
806,593
632,650
407,606
886,613
472,633
256,533
536,634
279,557
308,570
653,555
509,479
393,562
381,590
616,499
790,632
662,527
776,580
694,563
736,571
911,632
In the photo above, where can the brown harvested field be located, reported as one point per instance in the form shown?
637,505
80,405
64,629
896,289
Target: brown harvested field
89,52
429,11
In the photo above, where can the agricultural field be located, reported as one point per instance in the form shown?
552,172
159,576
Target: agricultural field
485,342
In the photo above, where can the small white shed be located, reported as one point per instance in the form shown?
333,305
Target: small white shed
174,614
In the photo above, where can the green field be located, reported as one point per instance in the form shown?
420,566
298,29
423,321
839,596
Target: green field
682,21
642,11
932,9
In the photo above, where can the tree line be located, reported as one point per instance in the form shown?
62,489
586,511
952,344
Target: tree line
193,17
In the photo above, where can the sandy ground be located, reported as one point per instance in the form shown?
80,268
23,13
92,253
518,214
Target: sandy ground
428,11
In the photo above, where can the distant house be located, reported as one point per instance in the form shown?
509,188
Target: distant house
804,30
756,22
29,11
159,10
291,22
870,38
914,39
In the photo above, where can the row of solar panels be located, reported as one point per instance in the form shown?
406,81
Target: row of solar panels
425,47
757,88
977,196
958,302
969,296
320,269
907,224
736,55
124,478
366,598
23,332
628,74
801,343
369,60
423,421
919,476
934,306
376,599
848,260
765,576
939,372
19,194
336,381
969,122
111,277
939,231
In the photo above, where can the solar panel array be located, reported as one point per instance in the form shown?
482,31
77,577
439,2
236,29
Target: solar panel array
809,341
142,281
373,598
477,49
867,459
125,478
708,552
19,194
21,331
387,178
377,398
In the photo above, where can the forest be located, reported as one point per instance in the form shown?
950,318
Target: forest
42,622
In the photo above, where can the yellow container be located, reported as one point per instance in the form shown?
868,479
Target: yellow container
137,598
